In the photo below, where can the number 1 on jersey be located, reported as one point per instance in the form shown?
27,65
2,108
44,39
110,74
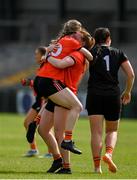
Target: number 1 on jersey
106,58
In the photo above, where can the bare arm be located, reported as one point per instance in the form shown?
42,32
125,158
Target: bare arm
86,53
64,63
85,69
130,76
86,66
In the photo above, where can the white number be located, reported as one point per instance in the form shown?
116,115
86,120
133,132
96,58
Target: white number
57,51
106,58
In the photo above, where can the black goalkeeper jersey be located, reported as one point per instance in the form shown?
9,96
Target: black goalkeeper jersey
103,78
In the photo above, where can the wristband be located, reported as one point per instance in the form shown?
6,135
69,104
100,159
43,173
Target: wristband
48,56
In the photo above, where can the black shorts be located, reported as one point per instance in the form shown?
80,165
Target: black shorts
50,106
109,106
45,87
37,104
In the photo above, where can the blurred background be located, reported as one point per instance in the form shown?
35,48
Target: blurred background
27,24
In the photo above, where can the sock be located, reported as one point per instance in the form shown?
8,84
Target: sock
97,161
68,135
33,145
109,150
66,165
56,156
37,119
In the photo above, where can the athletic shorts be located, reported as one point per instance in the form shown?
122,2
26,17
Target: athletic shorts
50,106
37,104
109,106
46,87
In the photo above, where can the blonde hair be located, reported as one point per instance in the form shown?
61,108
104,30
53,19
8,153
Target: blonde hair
71,26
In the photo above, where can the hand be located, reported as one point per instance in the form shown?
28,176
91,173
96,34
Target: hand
23,82
27,82
126,98
43,59
54,41
52,47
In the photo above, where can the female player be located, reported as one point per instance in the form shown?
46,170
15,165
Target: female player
32,113
103,96
74,64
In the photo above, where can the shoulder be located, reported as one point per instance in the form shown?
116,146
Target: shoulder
68,39
70,43
116,50
118,54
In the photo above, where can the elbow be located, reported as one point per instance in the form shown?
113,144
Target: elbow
132,76
89,58
60,66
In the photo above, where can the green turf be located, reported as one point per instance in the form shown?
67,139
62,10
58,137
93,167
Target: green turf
13,145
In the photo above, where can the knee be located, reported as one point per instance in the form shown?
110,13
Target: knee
43,132
40,130
113,128
79,107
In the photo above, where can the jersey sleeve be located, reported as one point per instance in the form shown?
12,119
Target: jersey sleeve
78,57
123,57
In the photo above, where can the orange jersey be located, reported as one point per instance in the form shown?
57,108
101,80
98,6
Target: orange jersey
74,73
67,45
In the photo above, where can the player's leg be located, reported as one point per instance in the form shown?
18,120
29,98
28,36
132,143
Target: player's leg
32,113
111,135
112,115
110,141
96,129
67,99
44,129
33,125
60,116
94,107
59,94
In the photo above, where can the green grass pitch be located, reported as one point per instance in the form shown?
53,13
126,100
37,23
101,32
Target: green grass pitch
13,145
